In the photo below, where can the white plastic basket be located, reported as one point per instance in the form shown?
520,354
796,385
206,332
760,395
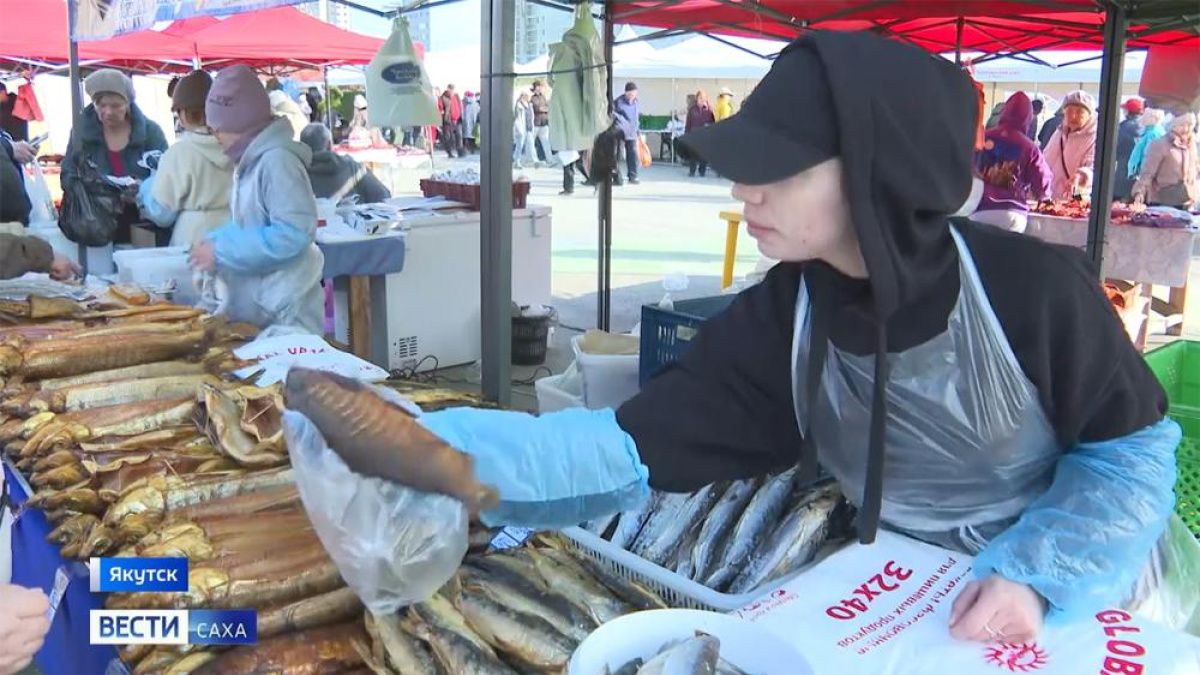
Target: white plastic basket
558,392
677,591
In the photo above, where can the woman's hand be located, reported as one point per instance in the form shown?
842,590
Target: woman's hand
62,269
203,257
23,626
997,610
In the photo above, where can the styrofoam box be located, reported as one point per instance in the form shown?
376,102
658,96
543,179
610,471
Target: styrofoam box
608,381
151,267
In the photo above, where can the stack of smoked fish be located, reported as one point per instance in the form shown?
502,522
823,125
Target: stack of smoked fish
138,441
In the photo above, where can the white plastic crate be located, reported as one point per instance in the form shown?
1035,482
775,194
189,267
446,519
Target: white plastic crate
152,267
676,590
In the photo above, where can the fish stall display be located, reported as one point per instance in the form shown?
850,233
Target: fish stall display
124,415
734,537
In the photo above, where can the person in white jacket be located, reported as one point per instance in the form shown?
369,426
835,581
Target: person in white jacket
190,190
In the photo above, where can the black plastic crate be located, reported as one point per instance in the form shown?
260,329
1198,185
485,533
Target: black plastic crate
667,333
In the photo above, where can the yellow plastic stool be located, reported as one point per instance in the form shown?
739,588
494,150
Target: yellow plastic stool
732,219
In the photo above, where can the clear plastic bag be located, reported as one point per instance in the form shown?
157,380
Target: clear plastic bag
393,545
1169,589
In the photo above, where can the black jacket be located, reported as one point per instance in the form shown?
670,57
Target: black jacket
726,409
14,200
1128,134
1048,129
337,176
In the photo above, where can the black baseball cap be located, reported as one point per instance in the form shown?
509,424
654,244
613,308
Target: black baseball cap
787,125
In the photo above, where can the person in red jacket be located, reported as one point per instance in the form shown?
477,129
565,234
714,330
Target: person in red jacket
450,106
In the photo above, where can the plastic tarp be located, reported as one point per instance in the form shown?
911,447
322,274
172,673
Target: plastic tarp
989,25
37,30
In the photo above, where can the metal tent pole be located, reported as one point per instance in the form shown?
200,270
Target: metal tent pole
76,97
328,100
604,252
1106,142
495,218
958,33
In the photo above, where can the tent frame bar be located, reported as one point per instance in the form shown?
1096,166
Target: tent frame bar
1111,70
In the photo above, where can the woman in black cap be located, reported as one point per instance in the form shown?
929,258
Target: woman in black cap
968,387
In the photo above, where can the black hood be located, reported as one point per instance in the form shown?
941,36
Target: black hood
907,121
904,122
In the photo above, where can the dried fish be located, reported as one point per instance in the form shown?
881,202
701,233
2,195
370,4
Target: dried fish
631,522
694,656
717,525
334,606
580,588
455,653
761,514
678,525
327,650
793,542
397,647
529,640
62,358
377,438
513,590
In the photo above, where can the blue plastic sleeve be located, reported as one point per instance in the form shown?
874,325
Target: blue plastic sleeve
1083,543
257,250
552,471
151,208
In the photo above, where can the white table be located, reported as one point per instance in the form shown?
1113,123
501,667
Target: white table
1146,256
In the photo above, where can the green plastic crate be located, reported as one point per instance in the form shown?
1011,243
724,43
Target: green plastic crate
1177,367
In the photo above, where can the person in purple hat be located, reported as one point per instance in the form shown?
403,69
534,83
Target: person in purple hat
266,255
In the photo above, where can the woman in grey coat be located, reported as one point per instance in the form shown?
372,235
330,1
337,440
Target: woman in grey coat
266,256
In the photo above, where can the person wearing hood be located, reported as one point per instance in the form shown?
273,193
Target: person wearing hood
266,255
337,176
114,134
1152,130
724,108
190,190
1071,152
470,117
1128,134
1048,129
700,115
946,373
1170,175
1012,167
283,105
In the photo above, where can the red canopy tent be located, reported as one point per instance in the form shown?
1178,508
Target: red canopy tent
188,27
282,39
990,26
34,33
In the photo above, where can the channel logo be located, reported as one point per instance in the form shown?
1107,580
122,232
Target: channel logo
173,627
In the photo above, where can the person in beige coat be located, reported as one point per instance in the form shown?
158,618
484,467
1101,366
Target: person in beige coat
190,191
1170,174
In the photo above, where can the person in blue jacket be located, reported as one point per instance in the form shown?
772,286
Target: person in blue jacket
266,256
968,387
626,117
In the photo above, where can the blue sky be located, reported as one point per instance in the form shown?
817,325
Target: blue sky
453,25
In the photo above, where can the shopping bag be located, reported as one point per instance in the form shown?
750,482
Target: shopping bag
91,206
644,155
399,93
39,195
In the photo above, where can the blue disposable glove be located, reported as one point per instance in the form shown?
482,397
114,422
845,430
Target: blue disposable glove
1083,543
552,471
258,250
151,209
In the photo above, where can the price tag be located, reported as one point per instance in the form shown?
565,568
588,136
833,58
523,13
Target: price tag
510,537
61,580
